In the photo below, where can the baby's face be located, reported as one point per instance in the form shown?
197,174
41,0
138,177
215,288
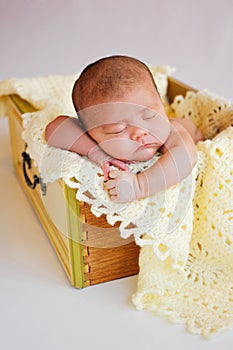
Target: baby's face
132,129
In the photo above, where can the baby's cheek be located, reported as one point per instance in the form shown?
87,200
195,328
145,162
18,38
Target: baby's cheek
119,148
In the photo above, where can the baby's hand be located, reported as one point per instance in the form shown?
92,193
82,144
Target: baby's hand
123,186
112,161
98,156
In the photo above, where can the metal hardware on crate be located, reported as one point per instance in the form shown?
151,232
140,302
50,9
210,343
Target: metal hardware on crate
36,179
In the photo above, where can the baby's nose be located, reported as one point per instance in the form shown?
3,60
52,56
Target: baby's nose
137,134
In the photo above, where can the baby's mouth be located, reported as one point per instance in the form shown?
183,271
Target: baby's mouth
148,145
150,148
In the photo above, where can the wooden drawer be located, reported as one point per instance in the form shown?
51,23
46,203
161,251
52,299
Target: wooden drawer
89,249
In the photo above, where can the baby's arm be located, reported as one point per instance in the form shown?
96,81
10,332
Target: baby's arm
177,161
64,132
191,128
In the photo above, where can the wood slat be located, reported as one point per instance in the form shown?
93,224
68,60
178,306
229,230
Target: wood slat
115,262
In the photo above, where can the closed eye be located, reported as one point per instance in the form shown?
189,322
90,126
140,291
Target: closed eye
115,129
149,115
115,132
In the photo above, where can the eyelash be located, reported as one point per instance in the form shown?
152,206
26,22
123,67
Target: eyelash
115,133
121,131
146,118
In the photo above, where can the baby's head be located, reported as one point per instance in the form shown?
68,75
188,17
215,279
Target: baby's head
119,106
110,79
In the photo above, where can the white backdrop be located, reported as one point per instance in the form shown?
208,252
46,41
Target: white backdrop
40,37
39,309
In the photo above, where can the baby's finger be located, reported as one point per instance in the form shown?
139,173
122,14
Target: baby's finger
106,169
112,192
110,184
113,174
113,198
119,164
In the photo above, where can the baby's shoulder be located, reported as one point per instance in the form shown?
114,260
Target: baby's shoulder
189,126
185,123
178,133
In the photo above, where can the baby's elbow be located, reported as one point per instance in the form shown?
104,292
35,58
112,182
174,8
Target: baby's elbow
52,128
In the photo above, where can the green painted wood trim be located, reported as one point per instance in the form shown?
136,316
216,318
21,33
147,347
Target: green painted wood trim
75,238
73,215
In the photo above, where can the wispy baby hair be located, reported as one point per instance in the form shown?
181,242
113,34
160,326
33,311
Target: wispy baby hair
109,77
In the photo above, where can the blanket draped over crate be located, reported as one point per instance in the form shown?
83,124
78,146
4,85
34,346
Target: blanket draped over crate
185,232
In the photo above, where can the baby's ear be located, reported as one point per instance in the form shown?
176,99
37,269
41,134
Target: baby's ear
80,123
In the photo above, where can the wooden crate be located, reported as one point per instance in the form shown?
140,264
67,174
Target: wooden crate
89,249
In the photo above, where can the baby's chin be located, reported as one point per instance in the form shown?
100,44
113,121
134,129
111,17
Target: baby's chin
145,154
139,156
144,158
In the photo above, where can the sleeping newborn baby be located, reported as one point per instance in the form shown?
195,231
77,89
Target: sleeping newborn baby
121,119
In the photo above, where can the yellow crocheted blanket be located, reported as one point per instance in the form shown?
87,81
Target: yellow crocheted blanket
186,232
